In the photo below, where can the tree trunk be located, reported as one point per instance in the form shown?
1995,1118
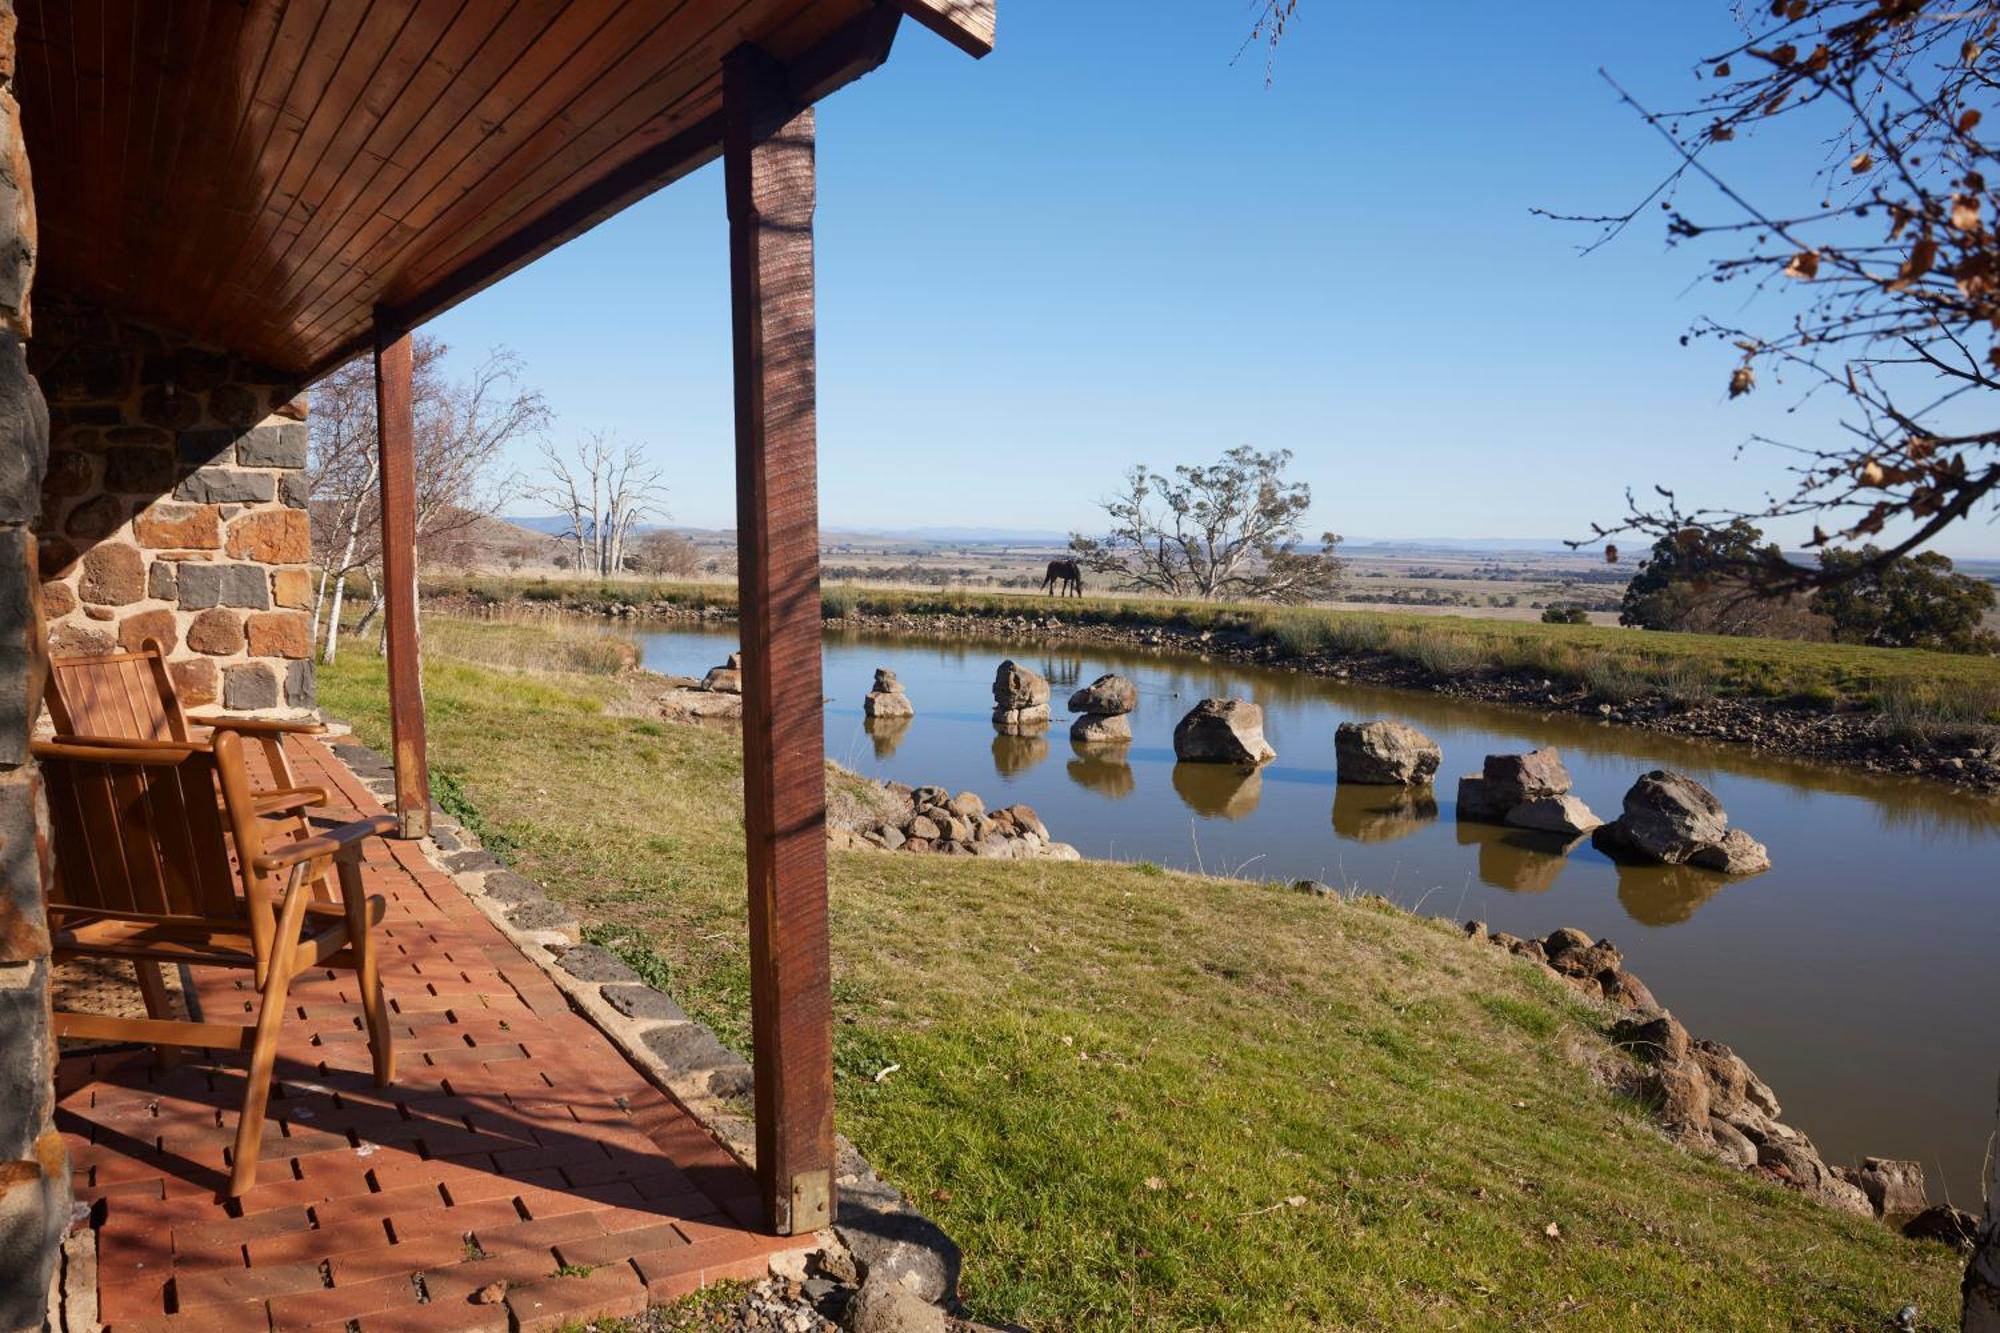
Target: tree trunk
332,647
319,607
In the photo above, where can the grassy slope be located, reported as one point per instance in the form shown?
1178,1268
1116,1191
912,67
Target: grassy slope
1111,1074
1616,663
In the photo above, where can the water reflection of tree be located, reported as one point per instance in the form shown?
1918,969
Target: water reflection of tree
1219,791
887,733
1018,751
1380,814
1102,769
1665,895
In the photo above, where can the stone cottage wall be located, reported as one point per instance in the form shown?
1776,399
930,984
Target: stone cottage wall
174,509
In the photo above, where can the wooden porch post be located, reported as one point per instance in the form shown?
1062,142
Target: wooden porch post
394,432
768,174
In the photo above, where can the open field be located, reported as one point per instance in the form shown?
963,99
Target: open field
1912,688
1146,1099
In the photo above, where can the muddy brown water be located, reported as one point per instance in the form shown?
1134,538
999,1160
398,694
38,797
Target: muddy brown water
1857,976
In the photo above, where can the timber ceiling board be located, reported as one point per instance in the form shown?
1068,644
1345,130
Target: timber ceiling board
262,174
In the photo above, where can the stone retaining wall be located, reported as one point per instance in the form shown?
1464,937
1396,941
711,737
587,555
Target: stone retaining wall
174,508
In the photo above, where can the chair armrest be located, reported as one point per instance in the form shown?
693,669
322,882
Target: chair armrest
264,726
289,798
285,854
115,749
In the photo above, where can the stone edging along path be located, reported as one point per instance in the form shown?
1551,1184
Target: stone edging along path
1851,739
877,1237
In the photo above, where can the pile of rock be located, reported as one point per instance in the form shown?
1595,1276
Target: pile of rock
886,698
1385,754
933,820
1530,791
1706,1097
1105,705
1020,698
1223,731
1671,819
727,678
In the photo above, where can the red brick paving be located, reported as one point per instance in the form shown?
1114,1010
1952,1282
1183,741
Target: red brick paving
516,1139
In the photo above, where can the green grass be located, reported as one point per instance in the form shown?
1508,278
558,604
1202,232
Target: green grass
1144,1099
1942,692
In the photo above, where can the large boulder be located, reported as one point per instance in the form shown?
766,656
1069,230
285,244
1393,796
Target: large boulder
1563,814
1016,686
1223,731
1101,729
1671,819
1110,695
886,697
1477,801
1387,754
1514,778
1895,1188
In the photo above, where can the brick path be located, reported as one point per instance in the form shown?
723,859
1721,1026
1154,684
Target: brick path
515,1141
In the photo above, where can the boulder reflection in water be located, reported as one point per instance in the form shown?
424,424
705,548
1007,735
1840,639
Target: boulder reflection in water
1102,769
887,733
1517,860
1017,750
1219,791
1665,895
1381,814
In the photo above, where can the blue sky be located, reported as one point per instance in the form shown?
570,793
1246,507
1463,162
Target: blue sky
1111,242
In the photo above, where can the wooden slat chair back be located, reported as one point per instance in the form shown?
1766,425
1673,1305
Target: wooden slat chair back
152,869
131,696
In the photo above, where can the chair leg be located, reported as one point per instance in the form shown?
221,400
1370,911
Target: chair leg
159,1004
368,972
264,1046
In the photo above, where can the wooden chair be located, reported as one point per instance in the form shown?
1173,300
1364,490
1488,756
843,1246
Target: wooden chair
151,868
131,696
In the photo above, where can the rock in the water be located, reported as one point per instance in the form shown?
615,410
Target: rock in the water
887,703
1223,731
1737,854
1101,728
1016,686
1022,719
1895,1188
1514,778
1477,801
1672,819
886,682
1669,816
1554,814
1385,754
1110,695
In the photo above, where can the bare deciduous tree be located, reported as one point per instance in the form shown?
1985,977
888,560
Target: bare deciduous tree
665,554
601,488
462,428
1884,261
1227,529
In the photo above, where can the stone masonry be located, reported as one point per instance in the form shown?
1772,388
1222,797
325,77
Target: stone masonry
34,1166
175,509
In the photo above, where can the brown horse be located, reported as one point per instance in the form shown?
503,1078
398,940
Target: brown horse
1065,579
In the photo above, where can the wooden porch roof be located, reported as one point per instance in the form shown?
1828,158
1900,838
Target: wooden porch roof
263,175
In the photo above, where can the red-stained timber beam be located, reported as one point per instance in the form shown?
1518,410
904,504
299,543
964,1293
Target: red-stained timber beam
394,438
769,181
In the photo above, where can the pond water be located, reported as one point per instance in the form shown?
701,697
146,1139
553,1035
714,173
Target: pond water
1857,976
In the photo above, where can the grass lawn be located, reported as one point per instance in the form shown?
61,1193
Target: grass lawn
1918,691
1151,1100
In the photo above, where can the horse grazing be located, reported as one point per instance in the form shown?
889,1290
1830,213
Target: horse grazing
1065,579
